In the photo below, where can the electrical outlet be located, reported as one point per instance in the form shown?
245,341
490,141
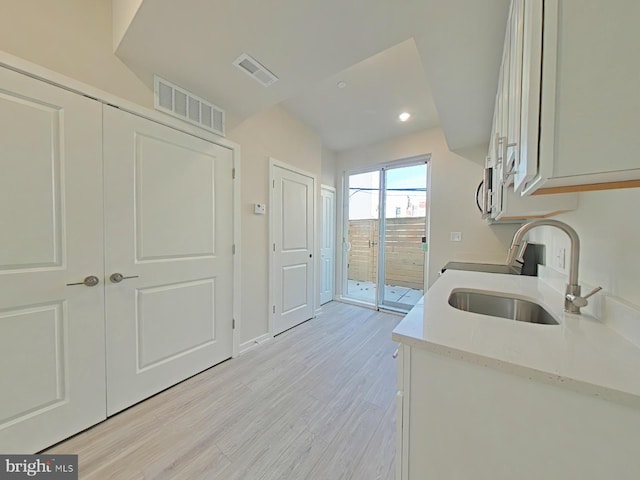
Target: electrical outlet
561,258
456,236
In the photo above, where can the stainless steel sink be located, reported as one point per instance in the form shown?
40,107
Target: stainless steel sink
500,305
483,267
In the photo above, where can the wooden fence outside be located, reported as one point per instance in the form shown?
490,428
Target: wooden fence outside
403,251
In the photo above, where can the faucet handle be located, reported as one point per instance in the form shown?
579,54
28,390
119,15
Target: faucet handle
580,301
521,249
592,292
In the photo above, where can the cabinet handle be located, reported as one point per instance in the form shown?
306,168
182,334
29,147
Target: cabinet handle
508,168
481,208
118,277
90,281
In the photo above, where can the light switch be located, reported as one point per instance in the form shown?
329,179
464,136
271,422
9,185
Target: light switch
456,236
259,208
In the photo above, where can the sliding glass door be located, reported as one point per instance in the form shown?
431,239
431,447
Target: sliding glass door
386,222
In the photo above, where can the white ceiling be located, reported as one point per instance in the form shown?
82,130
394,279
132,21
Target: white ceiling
394,55
366,110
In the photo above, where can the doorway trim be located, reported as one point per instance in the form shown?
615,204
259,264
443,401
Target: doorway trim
343,226
273,163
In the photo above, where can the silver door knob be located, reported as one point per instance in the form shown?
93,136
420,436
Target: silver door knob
90,281
118,277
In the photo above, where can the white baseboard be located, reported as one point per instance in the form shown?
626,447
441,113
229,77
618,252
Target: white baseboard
318,311
253,343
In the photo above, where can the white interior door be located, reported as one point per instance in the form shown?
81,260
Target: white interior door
169,226
293,204
327,248
51,333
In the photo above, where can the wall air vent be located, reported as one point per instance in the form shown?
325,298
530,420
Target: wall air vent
170,98
255,70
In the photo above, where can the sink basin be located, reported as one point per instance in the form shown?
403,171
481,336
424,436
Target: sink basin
500,305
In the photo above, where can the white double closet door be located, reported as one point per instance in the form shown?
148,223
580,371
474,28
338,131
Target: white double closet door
163,217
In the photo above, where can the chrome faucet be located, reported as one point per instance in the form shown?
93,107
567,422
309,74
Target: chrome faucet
572,299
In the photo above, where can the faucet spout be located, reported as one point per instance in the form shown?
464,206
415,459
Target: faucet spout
573,288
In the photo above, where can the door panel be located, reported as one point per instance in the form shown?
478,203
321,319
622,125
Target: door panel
361,223
295,215
295,287
36,239
327,249
32,333
293,257
160,337
404,224
172,196
51,334
169,225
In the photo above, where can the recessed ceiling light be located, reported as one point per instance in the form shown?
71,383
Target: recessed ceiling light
342,84
404,116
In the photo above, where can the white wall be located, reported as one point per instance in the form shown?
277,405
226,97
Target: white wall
329,159
273,133
452,187
609,230
72,37
123,13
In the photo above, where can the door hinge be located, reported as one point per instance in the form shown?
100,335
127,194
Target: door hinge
233,323
233,249
233,173
274,309
274,183
274,247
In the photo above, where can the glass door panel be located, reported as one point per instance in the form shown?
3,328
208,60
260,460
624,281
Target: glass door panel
404,224
363,233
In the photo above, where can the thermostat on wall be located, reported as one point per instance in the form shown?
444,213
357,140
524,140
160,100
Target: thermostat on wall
259,208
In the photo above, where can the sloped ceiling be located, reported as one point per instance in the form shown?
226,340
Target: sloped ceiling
394,55
366,109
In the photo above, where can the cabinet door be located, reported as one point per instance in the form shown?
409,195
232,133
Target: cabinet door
516,29
169,226
589,106
597,98
51,324
526,169
402,412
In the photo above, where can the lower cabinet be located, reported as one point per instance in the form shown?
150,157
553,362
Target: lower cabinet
115,260
460,420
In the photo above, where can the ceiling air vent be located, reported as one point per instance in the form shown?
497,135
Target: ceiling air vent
170,98
255,70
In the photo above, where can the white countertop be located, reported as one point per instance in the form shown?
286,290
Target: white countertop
580,353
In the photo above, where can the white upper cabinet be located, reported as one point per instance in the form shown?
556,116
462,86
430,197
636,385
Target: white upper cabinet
513,139
580,95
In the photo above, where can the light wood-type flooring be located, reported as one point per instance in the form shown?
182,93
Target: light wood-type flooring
315,403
